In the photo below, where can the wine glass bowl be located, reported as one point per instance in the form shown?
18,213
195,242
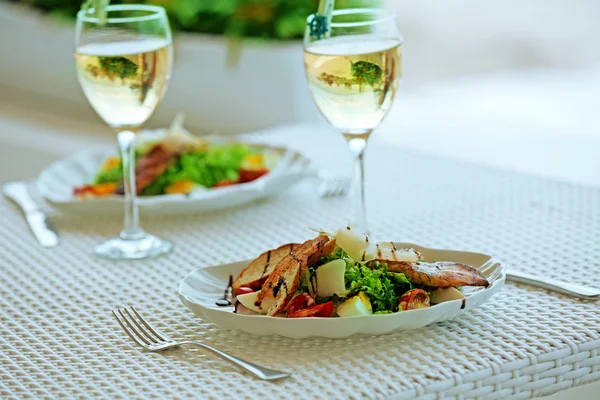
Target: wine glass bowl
123,64
353,69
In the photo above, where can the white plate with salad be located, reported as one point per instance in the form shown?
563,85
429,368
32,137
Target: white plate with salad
341,284
176,172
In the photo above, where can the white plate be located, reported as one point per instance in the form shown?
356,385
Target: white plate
56,185
201,288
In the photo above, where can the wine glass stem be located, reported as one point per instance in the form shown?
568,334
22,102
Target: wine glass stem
357,144
131,229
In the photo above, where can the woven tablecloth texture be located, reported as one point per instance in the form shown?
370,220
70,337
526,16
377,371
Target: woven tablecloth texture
58,338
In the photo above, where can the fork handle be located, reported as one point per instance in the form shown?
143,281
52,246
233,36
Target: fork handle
258,371
583,292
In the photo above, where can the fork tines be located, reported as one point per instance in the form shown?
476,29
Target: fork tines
332,187
490,270
138,329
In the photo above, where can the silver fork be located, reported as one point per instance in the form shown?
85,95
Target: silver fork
152,339
332,186
570,289
490,270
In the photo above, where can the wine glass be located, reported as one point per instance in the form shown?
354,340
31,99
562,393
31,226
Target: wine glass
123,64
353,67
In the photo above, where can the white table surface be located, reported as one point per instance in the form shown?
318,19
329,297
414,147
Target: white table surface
551,150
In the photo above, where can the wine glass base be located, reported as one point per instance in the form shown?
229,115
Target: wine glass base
146,247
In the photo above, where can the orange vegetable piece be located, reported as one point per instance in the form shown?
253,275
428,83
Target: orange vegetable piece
181,187
111,163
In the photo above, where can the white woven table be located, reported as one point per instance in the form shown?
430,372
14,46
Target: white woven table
59,340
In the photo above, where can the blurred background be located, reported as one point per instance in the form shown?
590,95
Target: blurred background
490,82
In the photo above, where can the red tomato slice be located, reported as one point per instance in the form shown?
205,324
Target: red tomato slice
321,310
243,290
226,183
300,302
101,189
248,175
82,190
413,299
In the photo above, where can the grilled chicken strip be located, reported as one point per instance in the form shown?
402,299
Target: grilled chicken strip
284,281
254,275
438,274
150,166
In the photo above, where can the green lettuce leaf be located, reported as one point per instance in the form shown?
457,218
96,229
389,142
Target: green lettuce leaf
337,254
376,283
206,168
113,175
383,287
401,279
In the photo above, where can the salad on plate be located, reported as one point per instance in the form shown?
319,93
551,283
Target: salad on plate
343,274
176,162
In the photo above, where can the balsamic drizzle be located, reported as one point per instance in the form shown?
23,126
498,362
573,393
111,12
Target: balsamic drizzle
266,264
224,301
277,288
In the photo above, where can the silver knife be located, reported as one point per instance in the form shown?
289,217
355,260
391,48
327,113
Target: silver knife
44,233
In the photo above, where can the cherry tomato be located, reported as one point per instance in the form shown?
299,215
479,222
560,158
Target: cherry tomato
248,175
225,183
243,290
300,302
413,299
320,310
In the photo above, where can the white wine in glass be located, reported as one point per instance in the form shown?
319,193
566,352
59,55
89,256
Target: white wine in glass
353,73
123,63
124,81
354,81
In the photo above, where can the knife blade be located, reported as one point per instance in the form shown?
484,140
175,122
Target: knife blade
36,219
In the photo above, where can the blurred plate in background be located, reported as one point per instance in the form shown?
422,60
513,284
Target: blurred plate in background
56,185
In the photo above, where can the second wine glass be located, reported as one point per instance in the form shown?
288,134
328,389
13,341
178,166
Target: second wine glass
353,69
123,63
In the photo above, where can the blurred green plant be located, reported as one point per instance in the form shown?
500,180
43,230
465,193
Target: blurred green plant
118,66
269,19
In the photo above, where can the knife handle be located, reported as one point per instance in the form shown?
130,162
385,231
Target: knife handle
20,194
